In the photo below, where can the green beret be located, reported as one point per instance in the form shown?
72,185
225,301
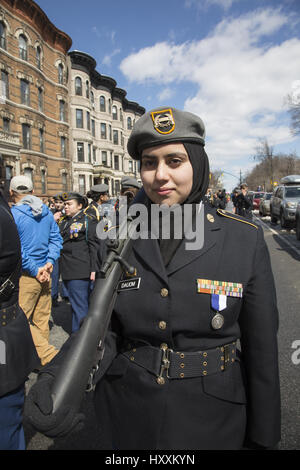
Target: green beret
72,195
58,197
100,188
164,126
128,182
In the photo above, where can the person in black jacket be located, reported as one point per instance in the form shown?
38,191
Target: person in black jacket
18,355
244,203
78,257
190,359
99,196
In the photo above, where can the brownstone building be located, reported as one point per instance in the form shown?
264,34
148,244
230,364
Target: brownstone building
34,121
101,120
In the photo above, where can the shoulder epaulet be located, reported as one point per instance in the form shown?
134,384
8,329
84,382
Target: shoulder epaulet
97,215
61,219
231,215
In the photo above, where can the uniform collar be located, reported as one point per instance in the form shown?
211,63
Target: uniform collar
149,252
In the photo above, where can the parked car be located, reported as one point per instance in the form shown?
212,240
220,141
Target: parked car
298,221
284,201
264,205
256,199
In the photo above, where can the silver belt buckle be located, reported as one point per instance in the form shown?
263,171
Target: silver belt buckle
7,284
165,360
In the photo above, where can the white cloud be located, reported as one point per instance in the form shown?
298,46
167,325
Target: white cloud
108,57
241,77
165,94
204,4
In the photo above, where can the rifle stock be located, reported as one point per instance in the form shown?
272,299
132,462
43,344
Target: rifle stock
71,380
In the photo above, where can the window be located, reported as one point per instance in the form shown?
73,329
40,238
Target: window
121,115
64,181
62,113
41,139
92,97
6,124
40,99
80,152
116,162
79,118
114,113
109,106
60,74
94,155
25,94
29,173
117,187
115,137
130,166
8,173
102,104
88,120
78,86
81,181
104,158
38,57
129,123
93,128
89,153
4,91
2,36
63,147
103,130
22,47
122,139
26,134
87,89
43,181
110,135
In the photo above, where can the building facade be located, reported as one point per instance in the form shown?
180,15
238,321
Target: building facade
34,121
101,119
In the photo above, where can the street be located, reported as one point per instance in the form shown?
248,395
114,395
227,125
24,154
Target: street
285,257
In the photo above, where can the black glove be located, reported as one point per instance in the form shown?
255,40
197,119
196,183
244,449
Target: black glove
38,411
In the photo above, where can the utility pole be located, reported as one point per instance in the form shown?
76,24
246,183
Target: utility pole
240,176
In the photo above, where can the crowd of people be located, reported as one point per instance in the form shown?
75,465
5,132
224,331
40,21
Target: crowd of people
192,341
241,200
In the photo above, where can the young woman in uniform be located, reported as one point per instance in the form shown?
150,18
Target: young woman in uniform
191,355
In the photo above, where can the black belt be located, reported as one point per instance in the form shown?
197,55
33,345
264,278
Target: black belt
179,364
9,314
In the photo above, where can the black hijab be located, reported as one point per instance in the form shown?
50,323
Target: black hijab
200,165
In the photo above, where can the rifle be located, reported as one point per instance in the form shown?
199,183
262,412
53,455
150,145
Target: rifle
72,378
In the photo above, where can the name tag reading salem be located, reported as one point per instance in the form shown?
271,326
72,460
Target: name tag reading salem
129,284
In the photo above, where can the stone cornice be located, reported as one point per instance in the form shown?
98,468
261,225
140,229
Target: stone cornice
29,12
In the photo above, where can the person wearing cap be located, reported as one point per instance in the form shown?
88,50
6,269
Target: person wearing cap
58,212
129,188
18,357
244,202
41,244
99,196
78,260
190,359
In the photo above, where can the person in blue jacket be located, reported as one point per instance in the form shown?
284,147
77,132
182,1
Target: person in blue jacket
40,248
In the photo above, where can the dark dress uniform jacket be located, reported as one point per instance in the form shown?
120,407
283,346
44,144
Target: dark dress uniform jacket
93,211
244,205
18,354
217,411
78,257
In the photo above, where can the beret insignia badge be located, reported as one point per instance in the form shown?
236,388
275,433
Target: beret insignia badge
163,121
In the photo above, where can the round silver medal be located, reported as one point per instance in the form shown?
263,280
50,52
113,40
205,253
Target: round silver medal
217,321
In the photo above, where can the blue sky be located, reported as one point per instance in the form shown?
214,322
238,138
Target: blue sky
232,62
